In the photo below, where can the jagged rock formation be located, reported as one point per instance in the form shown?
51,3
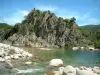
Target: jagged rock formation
44,29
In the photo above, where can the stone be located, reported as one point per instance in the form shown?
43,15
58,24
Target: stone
91,48
82,68
56,62
2,59
15,56
69,69
82,48
8,52
96,70
8,65
28,63
85,72
75,48
7,57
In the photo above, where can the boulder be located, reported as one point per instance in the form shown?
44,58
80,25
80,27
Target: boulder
82,48
75,48
96,70
82,68
2,59
8,64
28,63
56,62
85,72
91,48
29,55
15,56
7,57
69,70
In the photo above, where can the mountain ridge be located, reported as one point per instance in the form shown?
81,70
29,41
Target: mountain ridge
91,27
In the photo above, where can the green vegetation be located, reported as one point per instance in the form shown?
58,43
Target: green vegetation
5,29
84,32
94,34
97,35
52,30
91,27
4,25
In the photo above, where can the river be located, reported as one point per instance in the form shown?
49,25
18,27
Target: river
40,64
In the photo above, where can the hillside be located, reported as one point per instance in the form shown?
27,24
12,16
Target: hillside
45,29
95,30
4,25
4,29
90,27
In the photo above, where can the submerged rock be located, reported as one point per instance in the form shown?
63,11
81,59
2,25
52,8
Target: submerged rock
8,64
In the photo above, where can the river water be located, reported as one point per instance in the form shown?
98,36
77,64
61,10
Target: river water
41,61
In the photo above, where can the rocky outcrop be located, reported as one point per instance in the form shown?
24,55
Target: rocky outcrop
8,52
45,29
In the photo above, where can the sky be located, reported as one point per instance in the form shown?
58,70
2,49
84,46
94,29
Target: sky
85,11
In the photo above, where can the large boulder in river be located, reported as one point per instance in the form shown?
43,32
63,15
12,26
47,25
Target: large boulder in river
56,62
69,70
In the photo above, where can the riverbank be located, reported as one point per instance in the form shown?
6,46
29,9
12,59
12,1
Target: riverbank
8,52
10,55
87,48
40,60
70,70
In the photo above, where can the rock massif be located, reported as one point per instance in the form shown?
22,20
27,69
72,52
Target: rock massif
45,29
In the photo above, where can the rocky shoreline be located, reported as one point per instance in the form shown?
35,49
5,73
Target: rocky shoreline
70,70
87,48
10,53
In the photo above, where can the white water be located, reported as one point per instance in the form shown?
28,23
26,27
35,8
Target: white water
28,70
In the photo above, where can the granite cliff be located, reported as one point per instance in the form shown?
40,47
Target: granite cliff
45,29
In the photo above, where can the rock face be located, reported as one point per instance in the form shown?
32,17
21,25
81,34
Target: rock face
44,29
8,52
